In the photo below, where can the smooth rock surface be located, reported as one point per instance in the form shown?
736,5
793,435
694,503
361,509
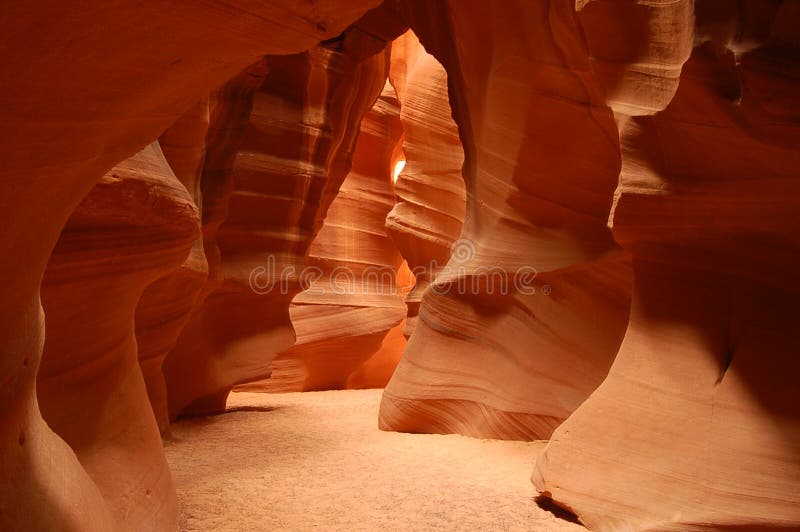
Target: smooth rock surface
85,87
136,224
431,197
700,404
296,149
353,298
527,319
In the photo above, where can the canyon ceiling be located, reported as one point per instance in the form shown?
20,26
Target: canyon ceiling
630,169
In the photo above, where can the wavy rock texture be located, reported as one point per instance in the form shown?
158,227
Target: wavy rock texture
229,108
696,426
431,197
121,76
166,304
354,299
294,153
136,224
541,164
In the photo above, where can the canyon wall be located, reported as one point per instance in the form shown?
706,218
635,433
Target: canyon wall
685,109
533,303
696,426
351,298
296,149
429,214
85,88
166,304
611,270
136,224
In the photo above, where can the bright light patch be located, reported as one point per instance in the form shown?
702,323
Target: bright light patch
398,167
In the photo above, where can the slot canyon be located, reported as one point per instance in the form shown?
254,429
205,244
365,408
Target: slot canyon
400,265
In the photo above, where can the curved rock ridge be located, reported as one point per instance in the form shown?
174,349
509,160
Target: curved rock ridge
295,150
121,76
229,111
696,426
431,198
528,316
353,298
136,224
167,303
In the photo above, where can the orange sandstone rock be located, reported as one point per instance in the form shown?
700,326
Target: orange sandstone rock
353,298
86,87
696,426
296,149
136,224
430,188
166,304
514,360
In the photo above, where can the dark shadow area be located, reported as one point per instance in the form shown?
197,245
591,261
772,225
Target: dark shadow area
547,504
243,408
248,408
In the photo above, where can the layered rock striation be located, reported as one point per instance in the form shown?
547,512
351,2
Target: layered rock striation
352,297
431,197
296,148
165,305
525,320
696,426
85,88
136,224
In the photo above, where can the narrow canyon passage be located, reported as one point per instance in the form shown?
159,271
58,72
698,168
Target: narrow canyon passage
316,460
399,265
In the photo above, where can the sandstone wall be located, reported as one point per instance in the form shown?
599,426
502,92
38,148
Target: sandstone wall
541,164
86,87
352,297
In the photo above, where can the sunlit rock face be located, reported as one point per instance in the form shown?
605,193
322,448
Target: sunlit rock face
525,321
696,426
136,224
85,87
429,185
352,298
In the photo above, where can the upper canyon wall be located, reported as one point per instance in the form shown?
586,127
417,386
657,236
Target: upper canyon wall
429,213
295,150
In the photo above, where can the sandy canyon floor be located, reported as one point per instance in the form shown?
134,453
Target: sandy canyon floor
317,460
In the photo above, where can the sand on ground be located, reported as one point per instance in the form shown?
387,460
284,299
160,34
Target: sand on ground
316,460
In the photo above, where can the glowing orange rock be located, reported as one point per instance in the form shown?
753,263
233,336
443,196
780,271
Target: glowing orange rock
514,360
343,316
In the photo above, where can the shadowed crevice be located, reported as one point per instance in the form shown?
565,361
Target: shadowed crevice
546,503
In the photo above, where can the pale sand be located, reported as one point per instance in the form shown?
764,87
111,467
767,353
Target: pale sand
316,460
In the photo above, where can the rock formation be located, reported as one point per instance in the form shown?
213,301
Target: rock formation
230,107
352,299
295,151
136,224
696,426
533,303
430,188
620,244
166,304
85,87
